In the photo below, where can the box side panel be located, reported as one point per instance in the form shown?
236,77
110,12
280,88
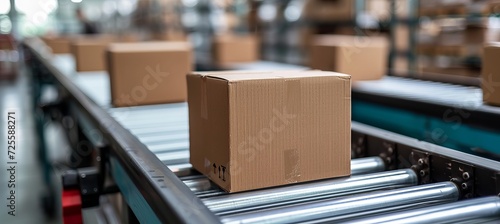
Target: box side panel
209,128
491,75
363,61
286,131
150,77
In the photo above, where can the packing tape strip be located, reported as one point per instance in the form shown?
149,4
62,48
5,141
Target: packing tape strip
203,91
293,106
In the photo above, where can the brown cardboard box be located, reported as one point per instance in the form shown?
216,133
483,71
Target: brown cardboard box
262,129
364,58
128,37
89,53
58,44
229,49
491,74
148,72
170,35
402,37
333,10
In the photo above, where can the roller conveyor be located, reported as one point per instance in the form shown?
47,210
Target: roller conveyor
329,208
441,113
149,162
481,210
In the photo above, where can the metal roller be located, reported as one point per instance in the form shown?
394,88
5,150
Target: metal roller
395,199
226,204
358,166
367,165
467,211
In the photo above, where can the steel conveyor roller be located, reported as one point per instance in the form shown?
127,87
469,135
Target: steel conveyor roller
227,204
391,199
478,210
358,166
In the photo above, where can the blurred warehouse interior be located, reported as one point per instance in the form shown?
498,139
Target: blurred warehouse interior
426,37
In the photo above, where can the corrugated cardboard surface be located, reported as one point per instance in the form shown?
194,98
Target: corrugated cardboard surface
336,10
491,74
89,54
170,36
59,45
228,48
148,72
89,50
264,129
364,58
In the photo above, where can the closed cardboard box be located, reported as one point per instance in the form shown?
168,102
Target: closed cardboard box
251,130
402,38
230,48
170,35
59,44
89,55
88,51
491,74
148,72
364,58
332,10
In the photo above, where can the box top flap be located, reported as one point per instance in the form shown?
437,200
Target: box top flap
235,76
150,46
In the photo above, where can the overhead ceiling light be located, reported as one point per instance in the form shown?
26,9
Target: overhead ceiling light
76,1
267,12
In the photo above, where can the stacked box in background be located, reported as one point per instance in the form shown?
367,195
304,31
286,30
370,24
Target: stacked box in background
170,35
329,10
491,74
251,130
88,52
58,44
148,72
364,58
231,48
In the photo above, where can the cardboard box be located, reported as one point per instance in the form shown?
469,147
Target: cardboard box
491,74
333,10
364,58
402,37
58,44
251,130
89,53
170,35
148,72
229,49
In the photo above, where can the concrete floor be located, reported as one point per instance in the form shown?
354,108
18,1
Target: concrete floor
15,96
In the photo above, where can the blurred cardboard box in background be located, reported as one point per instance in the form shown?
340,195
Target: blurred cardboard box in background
148,72
232,48
364,58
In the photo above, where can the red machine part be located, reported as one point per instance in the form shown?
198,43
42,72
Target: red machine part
72,206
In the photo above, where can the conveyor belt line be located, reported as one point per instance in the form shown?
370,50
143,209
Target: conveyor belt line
358,166
226,204
471,211
430,193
